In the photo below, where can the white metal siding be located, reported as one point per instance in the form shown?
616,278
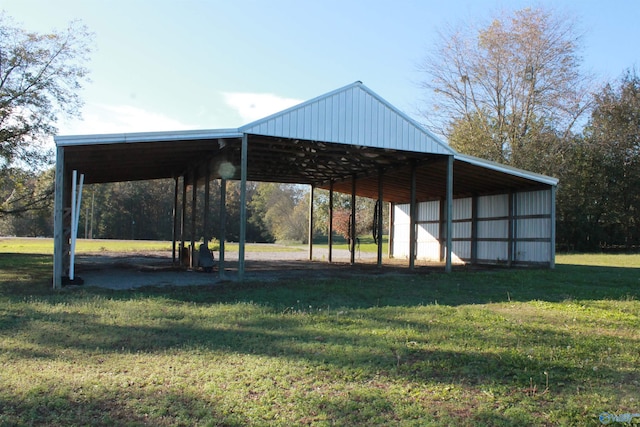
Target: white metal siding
531,227
492,224
401,229
493,206
427,242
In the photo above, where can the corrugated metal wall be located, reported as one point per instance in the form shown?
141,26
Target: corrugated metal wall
528,222
352,115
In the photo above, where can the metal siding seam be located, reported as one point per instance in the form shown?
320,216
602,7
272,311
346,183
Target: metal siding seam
345,124
308,117
314,125
372,126
285,125
321,130
359,110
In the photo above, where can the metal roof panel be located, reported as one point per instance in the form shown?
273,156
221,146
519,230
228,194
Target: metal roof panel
352,115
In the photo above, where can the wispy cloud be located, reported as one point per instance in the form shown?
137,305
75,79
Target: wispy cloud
100,118
254,106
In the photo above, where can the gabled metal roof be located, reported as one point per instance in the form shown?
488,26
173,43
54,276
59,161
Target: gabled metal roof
353,115
329,140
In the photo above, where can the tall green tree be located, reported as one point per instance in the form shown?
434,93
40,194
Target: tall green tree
613,142
283,210
41,76
511,91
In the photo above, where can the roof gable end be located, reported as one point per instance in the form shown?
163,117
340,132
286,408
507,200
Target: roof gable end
352,115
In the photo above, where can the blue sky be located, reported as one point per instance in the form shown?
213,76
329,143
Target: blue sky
199,64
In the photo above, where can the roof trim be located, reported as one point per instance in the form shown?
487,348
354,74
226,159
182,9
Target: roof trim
544,179
123,138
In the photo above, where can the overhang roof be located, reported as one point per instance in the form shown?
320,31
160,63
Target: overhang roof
350,132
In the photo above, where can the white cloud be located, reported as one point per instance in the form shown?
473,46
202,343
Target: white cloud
254,106
101,118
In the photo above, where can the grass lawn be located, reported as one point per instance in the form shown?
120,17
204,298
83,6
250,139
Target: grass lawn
497,348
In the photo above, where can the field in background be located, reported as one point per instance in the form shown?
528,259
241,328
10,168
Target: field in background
498,347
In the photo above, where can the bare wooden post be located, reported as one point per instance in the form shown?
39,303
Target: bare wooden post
58,222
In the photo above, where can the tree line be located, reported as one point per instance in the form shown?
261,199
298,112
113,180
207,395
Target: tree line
511,90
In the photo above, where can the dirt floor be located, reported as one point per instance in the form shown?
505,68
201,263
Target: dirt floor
134,270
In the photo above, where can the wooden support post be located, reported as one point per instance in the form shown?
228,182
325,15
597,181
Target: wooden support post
243,205
413,211
206,234
448,264
352,232
474,229
223,226
330,237
174,216
311,191
392,220
194,205
510,230
58,222
183,219
552,231
379,214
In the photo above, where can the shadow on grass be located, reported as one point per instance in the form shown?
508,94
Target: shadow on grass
25,274
55,406
419,328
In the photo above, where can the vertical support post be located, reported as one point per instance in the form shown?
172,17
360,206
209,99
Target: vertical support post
194,203
311,191
58,223
447,267
552,231
330,237
243,205
379,215
510,230
442,229
352,232
412,219
392,220
474,229
183,218
205,220
174,215
223,226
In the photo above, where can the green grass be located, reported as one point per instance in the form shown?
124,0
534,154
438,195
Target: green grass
365,244
498,348
45,246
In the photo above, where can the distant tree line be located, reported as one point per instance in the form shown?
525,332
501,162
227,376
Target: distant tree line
144,210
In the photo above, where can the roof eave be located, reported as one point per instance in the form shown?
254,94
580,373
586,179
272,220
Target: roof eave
543,179
141,137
